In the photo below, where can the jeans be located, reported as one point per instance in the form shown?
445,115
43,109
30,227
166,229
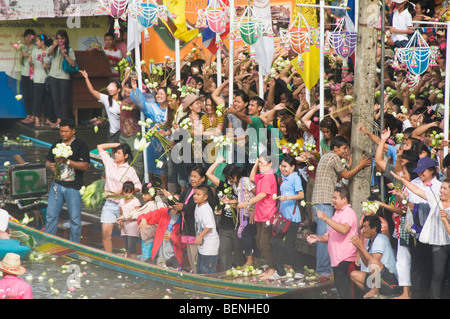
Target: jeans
421,268
56,200
440,258
206,264
323,263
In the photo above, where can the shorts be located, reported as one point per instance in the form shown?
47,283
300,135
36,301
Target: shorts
110,212
388,283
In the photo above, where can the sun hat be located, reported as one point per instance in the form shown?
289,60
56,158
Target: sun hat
188,100
11,265
423,164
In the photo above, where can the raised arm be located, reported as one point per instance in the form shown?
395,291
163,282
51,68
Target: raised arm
379,159
413,188
91,89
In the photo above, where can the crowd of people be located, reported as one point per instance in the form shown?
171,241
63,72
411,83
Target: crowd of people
222,167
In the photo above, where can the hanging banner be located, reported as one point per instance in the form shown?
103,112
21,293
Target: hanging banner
32,9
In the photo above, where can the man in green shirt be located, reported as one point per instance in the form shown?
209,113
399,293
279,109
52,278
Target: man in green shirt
254,124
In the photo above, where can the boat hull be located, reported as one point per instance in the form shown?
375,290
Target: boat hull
214,285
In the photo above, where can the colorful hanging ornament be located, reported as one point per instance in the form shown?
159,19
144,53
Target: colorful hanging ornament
118,9
343,40
216,16
148,15
415,56
300,36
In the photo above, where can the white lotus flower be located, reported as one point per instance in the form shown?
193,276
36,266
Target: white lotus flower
159,164
141,144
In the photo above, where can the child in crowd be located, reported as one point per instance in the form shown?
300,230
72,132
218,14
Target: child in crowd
129,228
207,237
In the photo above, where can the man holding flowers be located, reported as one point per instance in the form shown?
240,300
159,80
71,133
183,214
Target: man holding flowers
68,158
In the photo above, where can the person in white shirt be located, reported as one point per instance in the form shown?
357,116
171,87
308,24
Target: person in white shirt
207,237
401,24
111,104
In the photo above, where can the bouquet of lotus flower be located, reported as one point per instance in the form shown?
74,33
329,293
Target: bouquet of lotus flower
94,194
370,206
155,131
61,150
293,149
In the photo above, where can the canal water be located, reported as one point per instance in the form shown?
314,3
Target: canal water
53,277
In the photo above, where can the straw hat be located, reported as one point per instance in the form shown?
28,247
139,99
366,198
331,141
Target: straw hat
11,265
188,100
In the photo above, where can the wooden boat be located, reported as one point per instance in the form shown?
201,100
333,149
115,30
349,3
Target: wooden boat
218,285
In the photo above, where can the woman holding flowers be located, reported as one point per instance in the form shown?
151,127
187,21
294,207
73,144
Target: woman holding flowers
59,80
158,113
117,171
434,231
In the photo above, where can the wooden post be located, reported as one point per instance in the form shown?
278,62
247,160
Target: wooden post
364,98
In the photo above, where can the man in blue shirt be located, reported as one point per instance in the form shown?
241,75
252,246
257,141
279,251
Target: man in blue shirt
378,272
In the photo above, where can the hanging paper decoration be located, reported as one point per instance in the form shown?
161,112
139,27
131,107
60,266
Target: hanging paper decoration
416,57
343,41
148,15
300,36
247,28
216,16
118,9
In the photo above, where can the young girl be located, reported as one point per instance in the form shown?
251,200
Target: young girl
60,84
129,227
111,103
41,97
152,202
